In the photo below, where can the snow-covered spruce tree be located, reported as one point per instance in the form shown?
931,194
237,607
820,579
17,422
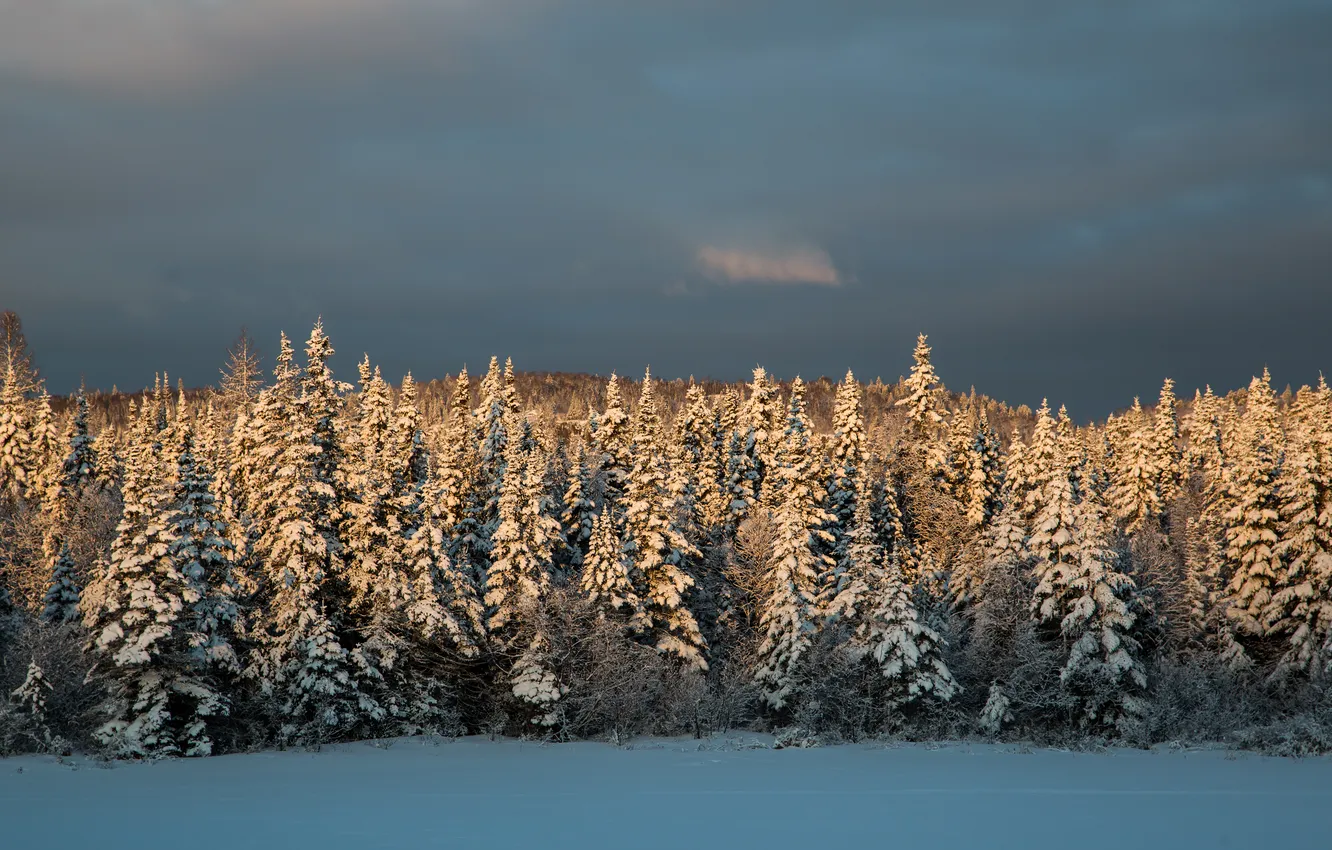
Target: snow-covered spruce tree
789,615
741,482
1169,460
1054,544
1203,459
1305,545
301,658
848,458
1102,670
16,451
858,556
158,633
45,448
61,603
1040,464
30,698
605,578
373,551
658,551
907,652
1135,491
579,510
952,476
516,581
612,443
1000,601
985,474
141,494
1252,521
762,420
715,498
923,403
696,468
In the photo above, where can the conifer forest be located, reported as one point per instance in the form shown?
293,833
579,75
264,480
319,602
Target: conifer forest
289,559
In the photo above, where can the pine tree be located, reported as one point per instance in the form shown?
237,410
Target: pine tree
657,549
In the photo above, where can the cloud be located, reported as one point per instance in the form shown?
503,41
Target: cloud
798,266
149,46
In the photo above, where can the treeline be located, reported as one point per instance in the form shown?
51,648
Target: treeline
297,560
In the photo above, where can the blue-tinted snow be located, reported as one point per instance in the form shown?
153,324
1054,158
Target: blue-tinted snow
679,794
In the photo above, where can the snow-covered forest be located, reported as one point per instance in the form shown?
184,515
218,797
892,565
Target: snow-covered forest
289,559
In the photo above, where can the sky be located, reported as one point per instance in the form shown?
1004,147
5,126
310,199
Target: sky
1074,200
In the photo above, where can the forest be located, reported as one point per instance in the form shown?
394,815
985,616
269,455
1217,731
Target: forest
286,559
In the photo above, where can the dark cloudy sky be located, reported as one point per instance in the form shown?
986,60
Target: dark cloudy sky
1072,199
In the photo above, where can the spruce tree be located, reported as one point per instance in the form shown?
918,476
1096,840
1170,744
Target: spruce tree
789,615
1304,601
301,658
516,581
612,443
61,603
1252,521
605,579
1135,491
658,551
1102,670
1168,456
907,652
15,438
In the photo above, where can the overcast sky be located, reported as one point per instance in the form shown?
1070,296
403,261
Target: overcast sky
1072,202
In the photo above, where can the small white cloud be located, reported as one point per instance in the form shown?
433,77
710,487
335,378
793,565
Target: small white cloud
791,266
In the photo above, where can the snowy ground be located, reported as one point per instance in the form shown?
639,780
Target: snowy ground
679,794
